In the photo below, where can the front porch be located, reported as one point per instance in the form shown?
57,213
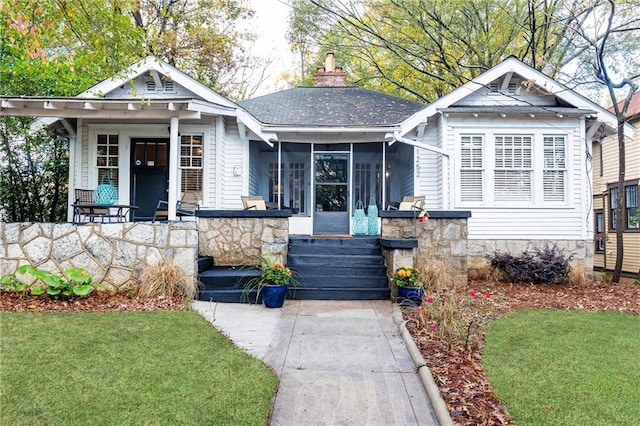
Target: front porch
115,253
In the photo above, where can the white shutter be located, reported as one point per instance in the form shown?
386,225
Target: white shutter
554,174
471,172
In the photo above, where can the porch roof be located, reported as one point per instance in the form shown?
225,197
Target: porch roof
330,107
109,108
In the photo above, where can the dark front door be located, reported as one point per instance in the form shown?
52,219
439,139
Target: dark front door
149,175
331,211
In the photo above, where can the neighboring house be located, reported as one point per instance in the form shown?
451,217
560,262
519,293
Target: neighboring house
512,146
605,180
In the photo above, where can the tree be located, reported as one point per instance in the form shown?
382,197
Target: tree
423,49
610,34
61,47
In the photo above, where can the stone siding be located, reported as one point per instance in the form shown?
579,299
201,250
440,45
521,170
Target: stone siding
235,241
113,254
442,240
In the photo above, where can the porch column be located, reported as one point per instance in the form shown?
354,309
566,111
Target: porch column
174,158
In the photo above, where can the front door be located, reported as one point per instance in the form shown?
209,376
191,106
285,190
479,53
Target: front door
331,189
150,174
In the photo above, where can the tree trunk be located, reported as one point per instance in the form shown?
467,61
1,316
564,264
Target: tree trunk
621,216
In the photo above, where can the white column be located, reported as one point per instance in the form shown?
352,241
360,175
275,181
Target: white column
174,161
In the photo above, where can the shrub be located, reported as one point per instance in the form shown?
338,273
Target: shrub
459,318
165,278
76,283
545,265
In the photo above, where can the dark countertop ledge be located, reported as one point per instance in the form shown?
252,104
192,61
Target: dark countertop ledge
433,214
244,213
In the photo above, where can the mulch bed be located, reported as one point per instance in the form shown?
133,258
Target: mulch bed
96,301
459,373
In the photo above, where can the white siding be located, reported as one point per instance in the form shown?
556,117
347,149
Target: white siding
232,156
84,155
428,170
210,166
568,220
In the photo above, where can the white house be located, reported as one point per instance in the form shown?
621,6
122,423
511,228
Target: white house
512,146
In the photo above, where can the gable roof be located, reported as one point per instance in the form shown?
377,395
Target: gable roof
330,106
153,64
92,101
513,65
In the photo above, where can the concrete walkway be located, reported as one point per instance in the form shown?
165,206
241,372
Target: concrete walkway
339,362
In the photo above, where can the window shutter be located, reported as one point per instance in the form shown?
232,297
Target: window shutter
471,171
554,174
513,160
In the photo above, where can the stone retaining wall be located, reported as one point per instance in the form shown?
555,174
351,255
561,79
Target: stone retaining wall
235,241
113,254
440,239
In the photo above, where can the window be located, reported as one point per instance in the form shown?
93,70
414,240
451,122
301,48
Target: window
613,207
512,177
599,237
296,186
471,168
631,203
191,163
107,159
554,168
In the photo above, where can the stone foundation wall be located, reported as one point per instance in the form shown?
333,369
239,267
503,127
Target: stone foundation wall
441,240
234,241
113,254
582,251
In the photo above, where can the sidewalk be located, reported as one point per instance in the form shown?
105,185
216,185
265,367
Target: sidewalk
339,362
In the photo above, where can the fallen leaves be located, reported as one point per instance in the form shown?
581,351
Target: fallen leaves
459,374
97,301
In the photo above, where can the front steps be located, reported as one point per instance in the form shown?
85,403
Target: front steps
324,269
337,268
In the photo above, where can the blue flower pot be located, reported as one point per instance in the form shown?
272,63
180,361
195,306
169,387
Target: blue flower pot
273,295
411,294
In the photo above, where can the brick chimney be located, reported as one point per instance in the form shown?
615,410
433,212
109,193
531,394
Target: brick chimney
330,75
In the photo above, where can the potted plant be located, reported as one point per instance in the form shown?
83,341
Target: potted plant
407,280
272,283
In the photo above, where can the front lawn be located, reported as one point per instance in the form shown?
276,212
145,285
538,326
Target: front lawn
553,367
127,368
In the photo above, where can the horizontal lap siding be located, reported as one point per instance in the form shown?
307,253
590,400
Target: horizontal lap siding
552,224
232,156
631,255
210,165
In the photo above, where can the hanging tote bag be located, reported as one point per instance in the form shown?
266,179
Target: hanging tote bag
105,193
372,212
359,220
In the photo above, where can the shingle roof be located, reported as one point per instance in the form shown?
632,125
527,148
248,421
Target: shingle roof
330,106
634,106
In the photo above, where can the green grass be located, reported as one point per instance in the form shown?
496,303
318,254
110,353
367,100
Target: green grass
566,367
127,368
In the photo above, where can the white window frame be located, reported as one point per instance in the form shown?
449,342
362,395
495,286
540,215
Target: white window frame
472,166
537,134
191,157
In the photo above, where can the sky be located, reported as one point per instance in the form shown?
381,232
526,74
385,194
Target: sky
270,24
